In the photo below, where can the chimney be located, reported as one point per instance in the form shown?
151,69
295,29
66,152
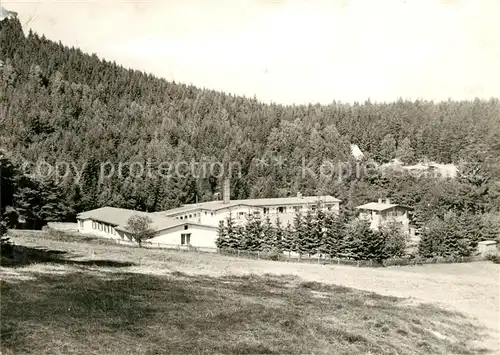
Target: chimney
225,191
379,200
299,194
387,200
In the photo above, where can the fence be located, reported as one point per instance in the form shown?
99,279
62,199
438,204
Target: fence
325,260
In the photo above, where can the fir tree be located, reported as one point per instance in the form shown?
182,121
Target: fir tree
333,235
253,234
288,241
268,235
221,241
279,235
395,240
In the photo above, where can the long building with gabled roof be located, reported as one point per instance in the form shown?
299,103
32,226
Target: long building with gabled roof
195,225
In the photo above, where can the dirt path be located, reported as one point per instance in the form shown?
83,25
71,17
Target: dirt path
473,288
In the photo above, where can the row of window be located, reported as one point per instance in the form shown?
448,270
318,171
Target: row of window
103,227
197,214
266,210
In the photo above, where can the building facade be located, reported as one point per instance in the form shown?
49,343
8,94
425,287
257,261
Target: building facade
195,225
382,213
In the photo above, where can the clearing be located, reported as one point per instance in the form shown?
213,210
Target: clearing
101,298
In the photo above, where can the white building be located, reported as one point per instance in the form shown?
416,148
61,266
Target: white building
110,222
195,225
383,212
285,208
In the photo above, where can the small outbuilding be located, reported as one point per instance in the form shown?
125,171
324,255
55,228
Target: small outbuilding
487,247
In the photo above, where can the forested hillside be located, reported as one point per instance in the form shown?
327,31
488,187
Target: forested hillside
60,105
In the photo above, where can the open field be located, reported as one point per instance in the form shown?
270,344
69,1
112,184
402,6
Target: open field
100,298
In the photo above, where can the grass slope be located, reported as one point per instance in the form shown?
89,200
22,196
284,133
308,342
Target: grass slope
82,309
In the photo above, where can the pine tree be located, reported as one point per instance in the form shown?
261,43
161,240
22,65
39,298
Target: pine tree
268,240
333,235
352,244
221,241
298,233
373,243
288,240
253,234
233,239
318,232
279,233
405,152
239,237
395,240
387,149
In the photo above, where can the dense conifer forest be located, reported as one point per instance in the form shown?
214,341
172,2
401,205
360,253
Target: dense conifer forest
58,104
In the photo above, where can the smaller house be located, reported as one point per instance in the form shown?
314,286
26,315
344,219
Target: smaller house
383,212
110,222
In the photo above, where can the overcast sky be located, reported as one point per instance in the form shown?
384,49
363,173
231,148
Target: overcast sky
291,51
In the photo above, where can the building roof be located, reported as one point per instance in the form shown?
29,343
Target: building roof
120,216
111,215
260,202
376,206
488,242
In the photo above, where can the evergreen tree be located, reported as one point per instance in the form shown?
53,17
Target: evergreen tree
387,149
395,240
279,235
405,152
253,233
447,237
221,241
333,235
352,244
299,233
288,241
233,238
268,235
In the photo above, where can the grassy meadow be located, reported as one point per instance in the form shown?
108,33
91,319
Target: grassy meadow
78,305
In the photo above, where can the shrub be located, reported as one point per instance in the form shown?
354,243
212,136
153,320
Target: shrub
494,258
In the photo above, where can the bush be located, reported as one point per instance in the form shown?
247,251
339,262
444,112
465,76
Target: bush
494,258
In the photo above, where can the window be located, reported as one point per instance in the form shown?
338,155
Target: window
94,225
206,213
100,226
296,208
313,207
185,227
266,210
281,209
329,207
212,213
190,216
185,238
181,217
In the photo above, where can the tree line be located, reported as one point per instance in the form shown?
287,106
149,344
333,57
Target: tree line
314,233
